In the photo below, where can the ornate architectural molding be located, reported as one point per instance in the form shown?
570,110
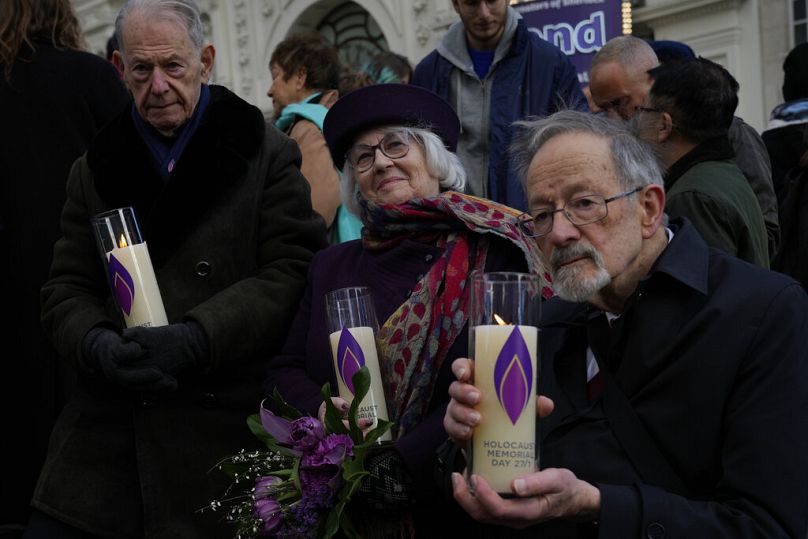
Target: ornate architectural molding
674,11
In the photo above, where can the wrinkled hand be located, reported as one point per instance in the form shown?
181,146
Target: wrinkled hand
119,361
171,348
545,495
461,417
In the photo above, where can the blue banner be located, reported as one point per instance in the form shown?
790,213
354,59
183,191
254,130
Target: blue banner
577,27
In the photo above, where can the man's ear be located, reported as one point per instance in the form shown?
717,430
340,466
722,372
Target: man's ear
206,58
117,61
652,209
665,127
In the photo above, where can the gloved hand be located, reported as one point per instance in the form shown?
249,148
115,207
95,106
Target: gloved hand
119,361
387,490
171,348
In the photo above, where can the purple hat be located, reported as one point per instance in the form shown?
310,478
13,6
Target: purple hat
387,104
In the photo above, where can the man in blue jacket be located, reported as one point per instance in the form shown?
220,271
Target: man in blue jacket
494,72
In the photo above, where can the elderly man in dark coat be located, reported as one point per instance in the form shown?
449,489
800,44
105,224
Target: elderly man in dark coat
230,230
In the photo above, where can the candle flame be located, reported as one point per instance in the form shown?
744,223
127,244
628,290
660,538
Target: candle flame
122,242
500,321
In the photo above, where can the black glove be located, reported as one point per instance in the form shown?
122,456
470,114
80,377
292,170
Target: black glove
119,361
171,348
388,488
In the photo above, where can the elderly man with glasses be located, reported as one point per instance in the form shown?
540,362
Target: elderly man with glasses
677,372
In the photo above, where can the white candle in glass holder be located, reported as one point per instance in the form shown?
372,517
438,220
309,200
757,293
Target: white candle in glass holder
504,443
351,349
134,285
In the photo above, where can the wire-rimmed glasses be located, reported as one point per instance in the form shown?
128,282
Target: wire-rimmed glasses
579,211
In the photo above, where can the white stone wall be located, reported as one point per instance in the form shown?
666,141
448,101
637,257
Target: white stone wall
749,37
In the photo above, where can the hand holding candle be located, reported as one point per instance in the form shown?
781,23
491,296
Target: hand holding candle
503,341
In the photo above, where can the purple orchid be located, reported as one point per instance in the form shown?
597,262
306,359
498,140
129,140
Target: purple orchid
268,511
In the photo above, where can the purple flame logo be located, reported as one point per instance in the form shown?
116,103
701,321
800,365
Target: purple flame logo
122,284
349,358
513,375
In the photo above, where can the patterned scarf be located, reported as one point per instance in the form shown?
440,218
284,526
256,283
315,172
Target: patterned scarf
414,341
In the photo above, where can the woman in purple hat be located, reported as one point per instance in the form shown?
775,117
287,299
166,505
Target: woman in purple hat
421,240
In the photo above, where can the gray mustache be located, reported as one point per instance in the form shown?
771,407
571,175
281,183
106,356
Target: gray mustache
577,250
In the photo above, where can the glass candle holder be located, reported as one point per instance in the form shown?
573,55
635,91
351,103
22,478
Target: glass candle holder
352,327
129,268
503,339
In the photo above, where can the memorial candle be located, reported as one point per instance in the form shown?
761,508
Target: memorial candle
504,442
129,268
352,349
352,327
503,338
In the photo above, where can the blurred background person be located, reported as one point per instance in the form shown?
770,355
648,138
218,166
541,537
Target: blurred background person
53,99
786,137
686,120
421,241
387,67
305,80
619,83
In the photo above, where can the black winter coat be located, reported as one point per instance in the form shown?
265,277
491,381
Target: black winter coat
230,236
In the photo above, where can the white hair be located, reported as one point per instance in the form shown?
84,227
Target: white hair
440,163
185,12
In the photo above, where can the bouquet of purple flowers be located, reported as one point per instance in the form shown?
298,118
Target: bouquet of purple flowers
302,485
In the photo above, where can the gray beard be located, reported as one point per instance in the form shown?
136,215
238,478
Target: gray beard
568,282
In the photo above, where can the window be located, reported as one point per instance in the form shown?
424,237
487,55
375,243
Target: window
800,19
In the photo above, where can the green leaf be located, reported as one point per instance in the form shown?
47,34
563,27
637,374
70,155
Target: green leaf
347,526
295,476
255,426
332,522
285,410
382,426
333,417
361,384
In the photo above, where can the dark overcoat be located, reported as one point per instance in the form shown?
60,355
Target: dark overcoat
51,106
230,235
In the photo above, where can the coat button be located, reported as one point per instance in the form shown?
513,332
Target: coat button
203,268
428,258
208,401
655,530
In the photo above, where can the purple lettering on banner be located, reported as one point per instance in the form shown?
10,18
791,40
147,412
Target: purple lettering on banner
513,375
122,284
349,358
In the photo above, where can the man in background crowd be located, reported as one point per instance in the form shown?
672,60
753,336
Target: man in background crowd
493,71
619,83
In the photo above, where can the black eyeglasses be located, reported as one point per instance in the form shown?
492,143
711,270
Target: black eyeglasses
362,156
579,211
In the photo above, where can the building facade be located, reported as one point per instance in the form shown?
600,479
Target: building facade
749,37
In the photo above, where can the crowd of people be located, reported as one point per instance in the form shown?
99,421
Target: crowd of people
673,359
